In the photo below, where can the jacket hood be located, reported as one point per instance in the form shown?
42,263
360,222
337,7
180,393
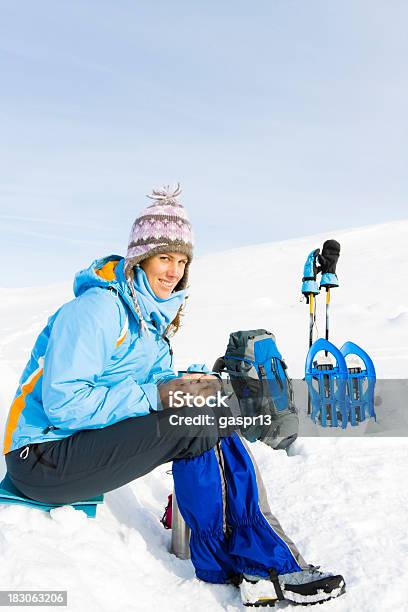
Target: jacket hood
109,272
101,273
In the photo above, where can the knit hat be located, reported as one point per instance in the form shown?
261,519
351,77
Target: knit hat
162,227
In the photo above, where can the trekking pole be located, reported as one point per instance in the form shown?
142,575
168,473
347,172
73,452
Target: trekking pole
310,290
312,317
327,314
312,311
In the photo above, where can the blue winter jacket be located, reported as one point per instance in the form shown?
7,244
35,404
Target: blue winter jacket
90,366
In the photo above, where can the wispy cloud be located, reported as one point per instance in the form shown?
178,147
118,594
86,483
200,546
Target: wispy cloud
56,222
21,231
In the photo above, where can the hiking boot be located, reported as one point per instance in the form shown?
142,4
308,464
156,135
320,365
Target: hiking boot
306,587
311,586
257,592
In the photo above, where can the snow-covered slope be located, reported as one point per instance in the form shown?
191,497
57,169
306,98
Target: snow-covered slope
342,500
259,286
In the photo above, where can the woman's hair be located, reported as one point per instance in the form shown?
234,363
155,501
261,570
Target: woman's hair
176,322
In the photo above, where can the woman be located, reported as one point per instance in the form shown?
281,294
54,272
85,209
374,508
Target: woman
88,415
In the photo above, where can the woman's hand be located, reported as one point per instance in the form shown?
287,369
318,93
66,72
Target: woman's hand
197,385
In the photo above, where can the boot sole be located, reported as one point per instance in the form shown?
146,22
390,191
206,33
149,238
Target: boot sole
262,603
327,589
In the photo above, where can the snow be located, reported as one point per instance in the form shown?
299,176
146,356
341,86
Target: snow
343,500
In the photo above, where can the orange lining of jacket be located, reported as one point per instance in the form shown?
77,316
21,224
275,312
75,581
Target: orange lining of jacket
107,272
17,408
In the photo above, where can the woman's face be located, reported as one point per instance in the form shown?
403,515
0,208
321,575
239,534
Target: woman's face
164,271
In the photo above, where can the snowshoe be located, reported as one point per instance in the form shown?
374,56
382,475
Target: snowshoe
327,386
360,384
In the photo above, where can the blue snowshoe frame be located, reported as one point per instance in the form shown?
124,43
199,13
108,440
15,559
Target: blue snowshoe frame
360,385
328,401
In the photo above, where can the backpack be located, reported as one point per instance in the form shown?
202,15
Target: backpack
259,379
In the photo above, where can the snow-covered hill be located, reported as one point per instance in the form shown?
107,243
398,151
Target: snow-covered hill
342,500
259,286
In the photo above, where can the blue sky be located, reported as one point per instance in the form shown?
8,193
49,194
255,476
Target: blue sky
280,118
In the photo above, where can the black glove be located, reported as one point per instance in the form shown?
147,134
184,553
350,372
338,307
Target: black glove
329,257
